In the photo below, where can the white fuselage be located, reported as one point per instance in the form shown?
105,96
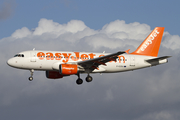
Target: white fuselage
50,60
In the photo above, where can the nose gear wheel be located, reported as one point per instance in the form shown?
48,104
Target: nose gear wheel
31,77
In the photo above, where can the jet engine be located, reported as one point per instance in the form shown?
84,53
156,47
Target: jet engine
68,69
53,75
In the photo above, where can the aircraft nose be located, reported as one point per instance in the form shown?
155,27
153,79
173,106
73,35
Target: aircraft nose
10,62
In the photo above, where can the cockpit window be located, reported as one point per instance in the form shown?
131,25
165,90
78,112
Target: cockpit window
19,55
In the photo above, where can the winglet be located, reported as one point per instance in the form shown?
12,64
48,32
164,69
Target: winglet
150,46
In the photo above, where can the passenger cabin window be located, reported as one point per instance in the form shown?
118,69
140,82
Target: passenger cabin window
19,55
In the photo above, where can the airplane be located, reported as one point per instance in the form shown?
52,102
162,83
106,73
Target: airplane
59,64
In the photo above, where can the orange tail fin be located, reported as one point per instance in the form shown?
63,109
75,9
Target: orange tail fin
150,46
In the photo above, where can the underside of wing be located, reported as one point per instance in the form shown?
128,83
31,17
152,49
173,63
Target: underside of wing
95,62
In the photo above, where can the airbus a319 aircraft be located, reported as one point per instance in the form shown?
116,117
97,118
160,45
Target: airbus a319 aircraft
58,64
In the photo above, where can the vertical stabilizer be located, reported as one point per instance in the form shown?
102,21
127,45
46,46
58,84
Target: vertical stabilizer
150,46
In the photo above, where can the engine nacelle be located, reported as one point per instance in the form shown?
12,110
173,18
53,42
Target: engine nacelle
68,69
53,75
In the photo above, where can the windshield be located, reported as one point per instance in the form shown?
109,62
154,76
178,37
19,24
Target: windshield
19,55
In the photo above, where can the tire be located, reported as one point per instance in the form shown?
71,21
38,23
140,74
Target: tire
30,78
79,81
89,79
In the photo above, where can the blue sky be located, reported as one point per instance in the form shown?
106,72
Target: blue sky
94,13
90,26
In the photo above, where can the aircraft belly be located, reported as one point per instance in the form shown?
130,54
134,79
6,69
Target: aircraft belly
115,67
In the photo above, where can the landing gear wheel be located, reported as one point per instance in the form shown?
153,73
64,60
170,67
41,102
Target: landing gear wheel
79,81
89,78
30,78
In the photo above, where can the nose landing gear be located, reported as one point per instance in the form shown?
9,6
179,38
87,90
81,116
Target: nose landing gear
31,77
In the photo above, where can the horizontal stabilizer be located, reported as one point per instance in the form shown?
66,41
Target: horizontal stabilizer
157,61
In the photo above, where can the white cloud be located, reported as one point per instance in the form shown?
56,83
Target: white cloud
171,41
116,34
131,31
48,26
151,93
21,33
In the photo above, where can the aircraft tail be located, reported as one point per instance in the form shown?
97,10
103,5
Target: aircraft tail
150,46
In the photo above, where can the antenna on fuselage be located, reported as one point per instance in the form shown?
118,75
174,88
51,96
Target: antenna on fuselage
33,48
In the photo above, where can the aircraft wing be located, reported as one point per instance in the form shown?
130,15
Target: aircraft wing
95,62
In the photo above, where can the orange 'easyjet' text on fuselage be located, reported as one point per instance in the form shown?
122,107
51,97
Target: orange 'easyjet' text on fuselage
65,57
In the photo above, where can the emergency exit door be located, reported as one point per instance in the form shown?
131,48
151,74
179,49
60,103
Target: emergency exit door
132,63
33,56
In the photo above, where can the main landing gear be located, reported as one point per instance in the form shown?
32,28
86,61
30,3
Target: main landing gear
79,81
31,77
89,78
